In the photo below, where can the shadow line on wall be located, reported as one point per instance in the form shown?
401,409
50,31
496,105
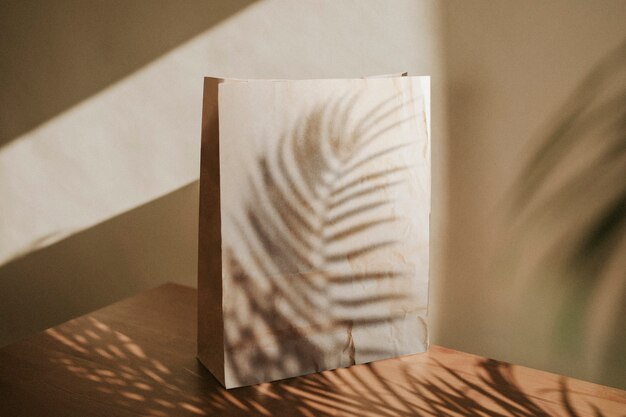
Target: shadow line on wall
57,54
141,248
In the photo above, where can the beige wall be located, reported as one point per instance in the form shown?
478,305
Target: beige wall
97,185
510,66
101,114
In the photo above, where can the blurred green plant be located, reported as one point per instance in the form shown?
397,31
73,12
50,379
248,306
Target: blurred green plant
570,213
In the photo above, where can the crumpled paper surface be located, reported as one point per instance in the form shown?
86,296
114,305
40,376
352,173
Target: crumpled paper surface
325,203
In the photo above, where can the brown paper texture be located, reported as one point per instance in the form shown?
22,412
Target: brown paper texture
322,198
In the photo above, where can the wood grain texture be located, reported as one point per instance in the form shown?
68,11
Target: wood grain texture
137,357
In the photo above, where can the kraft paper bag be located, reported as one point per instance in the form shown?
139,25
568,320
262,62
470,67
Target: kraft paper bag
314,225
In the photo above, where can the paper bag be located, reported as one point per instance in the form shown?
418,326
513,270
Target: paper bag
314,225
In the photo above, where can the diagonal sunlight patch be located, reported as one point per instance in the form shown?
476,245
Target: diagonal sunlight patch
56,54
139,138
131,143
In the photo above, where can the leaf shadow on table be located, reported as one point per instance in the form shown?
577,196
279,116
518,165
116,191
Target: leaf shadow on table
108,367
317,202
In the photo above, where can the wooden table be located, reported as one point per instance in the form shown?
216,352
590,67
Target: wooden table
137,357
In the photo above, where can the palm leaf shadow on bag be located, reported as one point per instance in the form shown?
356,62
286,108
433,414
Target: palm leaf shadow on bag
319,197
570,200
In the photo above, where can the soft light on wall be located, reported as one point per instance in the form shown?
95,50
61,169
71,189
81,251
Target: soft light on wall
133,135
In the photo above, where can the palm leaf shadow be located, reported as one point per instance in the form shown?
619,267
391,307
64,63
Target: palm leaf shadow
315,203
490,389
101,364
571,195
